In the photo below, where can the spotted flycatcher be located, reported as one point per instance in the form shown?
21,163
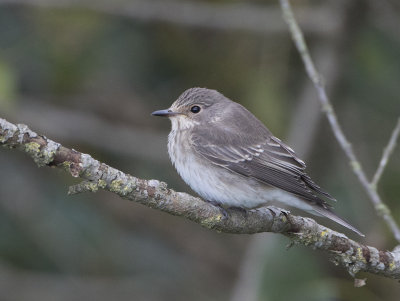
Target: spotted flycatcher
225,154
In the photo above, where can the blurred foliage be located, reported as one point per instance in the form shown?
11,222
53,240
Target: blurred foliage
57,64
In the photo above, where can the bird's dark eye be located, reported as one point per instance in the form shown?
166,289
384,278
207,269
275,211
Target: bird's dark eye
195,109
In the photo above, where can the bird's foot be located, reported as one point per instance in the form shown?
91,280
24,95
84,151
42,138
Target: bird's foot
277,211
222,209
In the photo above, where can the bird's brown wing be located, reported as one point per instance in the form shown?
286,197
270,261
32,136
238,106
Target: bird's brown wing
264,158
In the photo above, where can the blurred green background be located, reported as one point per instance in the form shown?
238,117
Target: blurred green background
88,74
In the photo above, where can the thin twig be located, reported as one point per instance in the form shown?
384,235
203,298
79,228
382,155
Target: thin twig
386,154
354,256
315,77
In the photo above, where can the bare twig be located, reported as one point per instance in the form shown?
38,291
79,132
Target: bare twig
386,154
299,41
352,255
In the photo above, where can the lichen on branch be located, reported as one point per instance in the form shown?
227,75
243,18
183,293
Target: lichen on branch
354,256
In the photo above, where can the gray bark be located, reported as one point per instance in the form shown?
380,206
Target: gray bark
354,256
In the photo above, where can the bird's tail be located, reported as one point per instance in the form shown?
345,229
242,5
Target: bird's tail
331,215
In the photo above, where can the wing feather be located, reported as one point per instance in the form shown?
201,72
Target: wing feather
266,159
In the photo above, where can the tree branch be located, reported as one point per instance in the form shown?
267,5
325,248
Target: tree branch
352,255
386,154
327,107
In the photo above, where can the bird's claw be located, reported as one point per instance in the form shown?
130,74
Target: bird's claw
222,209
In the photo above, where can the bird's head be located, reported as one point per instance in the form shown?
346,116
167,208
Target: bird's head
196,106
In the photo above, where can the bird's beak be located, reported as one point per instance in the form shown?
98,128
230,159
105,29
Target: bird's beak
164,113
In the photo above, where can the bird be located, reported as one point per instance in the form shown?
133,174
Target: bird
231,159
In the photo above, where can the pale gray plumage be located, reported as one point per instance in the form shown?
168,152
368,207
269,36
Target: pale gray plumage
228,156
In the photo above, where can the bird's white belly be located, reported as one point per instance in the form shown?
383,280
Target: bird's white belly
220,186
